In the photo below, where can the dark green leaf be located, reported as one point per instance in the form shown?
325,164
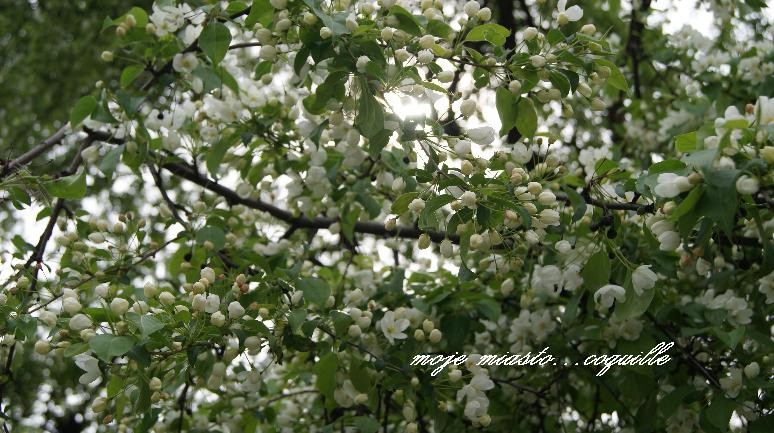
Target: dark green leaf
214,41
490,32
526,121
83,108
69,187
107,346
315,290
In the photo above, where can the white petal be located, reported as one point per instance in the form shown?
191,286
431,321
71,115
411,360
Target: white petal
561,5
574,13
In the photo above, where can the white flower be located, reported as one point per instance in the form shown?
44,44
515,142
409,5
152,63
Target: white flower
447,248
252,343
468,199
563,247
119,306
90,366
351,22
325,33
235,310
462,148
482,135
279,4
752,369
530,33
398,184
643,279
547,198
198,302
549,217
471,8
485,14
361,63
445,76
393,329
764,108
468,107
671,185
669,240
268,52
606,295
416,205
574,13
48,317
402,55
212,304
208,274
521,153
79,322
538,61
185,62
747,185
71,305
427,41
733,383
425,56
167,298
541,324
218,319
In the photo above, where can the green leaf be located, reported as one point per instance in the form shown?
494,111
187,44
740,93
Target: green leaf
127,102
596,273
130,73
400,205
732,338
719,413
348,221
526,121
262,12
69,187
360,377
366,424
214,41
262,69
109,162
115,385
687,204
218,150
325,370
489,308
439,28
616,78
315,290
490,32
560,81
335,23
83,108
146,323
214,234
719,201
406,22
686,142
505,101
370,116
635,305
107,346
75,349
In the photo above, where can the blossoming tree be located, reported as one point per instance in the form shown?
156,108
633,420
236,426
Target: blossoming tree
279,203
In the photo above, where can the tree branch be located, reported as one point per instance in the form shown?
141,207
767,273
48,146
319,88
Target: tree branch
368,227
33,153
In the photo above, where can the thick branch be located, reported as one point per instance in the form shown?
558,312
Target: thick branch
368,227
33,153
